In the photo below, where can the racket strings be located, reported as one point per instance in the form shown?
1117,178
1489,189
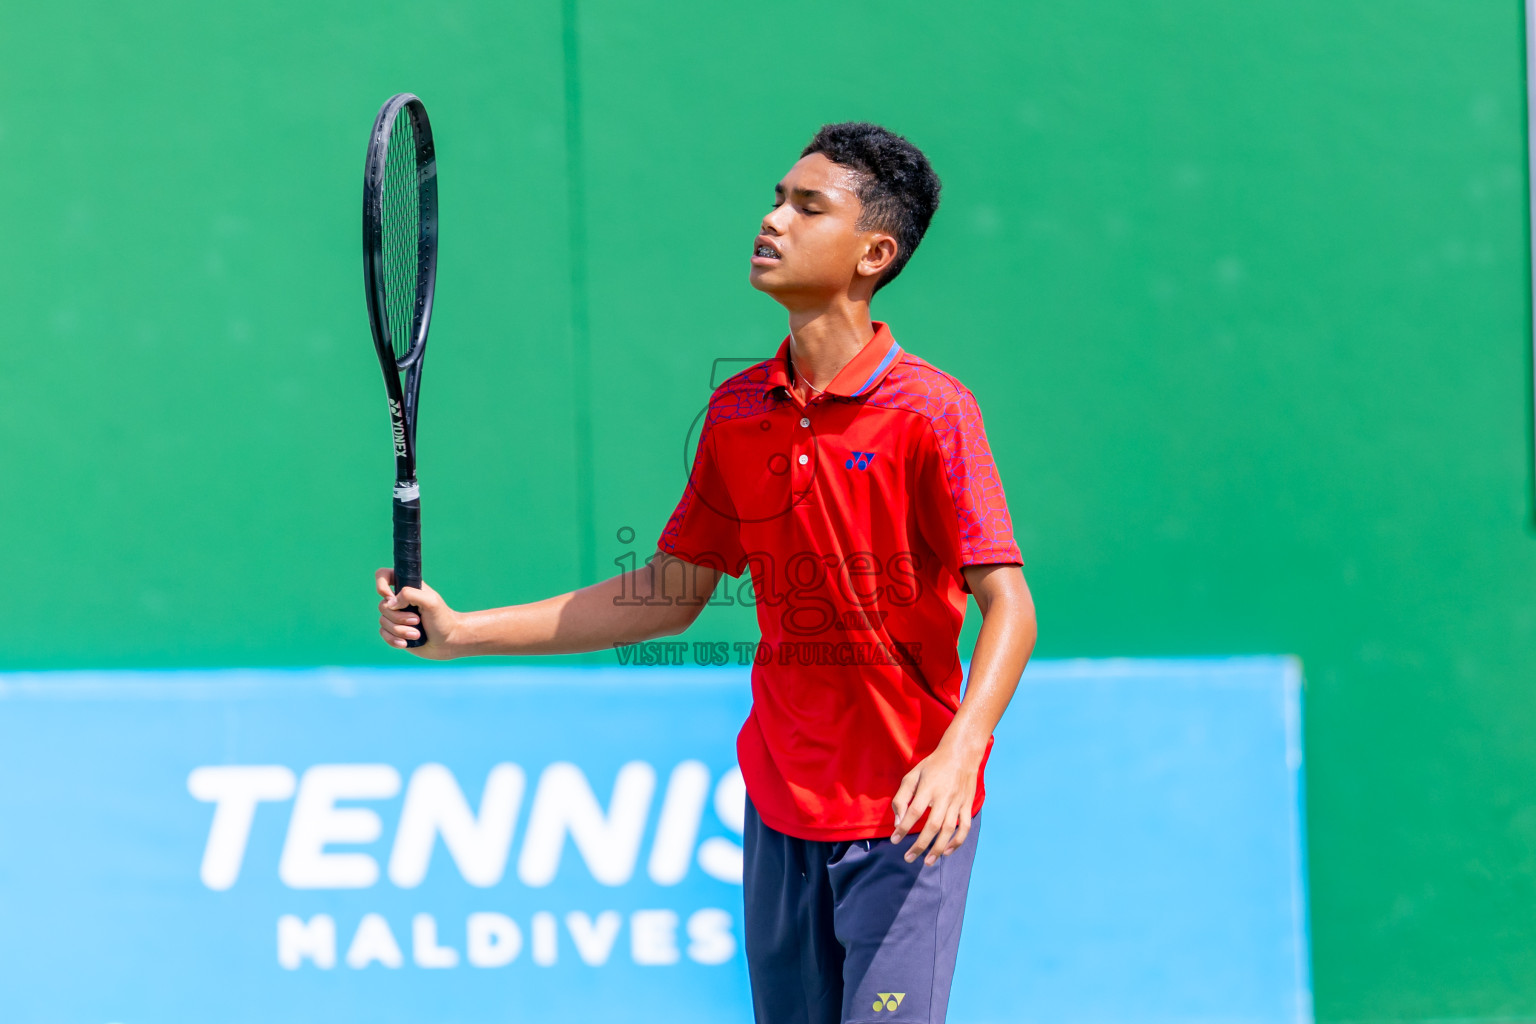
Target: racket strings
401,234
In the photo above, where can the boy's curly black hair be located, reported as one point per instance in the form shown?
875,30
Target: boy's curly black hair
899,190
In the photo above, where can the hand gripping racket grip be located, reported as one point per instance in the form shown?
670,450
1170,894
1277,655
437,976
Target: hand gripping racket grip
408,554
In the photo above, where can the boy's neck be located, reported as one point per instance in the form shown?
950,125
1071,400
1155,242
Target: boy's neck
823,341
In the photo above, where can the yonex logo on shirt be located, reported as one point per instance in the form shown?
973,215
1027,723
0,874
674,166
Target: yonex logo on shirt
860,459
888,1000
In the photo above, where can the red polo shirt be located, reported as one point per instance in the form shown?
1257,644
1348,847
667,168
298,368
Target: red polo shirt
855,512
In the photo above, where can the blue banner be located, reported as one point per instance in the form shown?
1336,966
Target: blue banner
511,844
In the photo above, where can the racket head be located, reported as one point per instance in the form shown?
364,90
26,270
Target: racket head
400,253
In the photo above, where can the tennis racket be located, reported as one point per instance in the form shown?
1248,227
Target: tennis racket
399,269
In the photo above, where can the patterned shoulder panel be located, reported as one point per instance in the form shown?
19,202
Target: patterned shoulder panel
914,385
744,394
696,532
917,385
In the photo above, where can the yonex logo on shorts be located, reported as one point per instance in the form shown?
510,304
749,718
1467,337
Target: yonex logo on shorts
888,1000
860,459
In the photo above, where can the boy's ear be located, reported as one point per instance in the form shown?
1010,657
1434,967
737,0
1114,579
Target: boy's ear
878,256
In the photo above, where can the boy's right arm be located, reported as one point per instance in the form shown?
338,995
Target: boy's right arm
659,598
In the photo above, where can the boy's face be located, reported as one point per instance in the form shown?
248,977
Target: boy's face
810,251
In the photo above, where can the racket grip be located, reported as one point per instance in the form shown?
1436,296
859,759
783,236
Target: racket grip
408,552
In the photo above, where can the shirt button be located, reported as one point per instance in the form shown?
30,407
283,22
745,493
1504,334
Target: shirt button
804,459
805,421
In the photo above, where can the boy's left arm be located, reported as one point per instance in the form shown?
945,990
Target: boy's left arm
944,782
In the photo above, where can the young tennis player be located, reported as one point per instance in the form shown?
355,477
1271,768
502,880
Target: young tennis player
854,482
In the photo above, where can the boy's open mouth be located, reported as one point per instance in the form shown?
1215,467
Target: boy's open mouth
765,250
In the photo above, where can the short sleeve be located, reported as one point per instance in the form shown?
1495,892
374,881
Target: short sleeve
704,528
962,510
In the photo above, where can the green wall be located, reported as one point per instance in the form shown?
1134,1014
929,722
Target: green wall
1242,289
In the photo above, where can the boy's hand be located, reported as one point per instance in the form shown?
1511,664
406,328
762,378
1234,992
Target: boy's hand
396,625
944,785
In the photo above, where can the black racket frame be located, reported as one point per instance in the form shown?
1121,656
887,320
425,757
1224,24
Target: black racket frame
403,397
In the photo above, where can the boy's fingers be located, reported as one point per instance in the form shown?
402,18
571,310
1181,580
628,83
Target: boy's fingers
408,632
900,803
940,835
408,596
943,839
962,832
400,615
924,838
915,808
396,624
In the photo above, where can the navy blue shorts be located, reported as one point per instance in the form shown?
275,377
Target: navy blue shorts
849,932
